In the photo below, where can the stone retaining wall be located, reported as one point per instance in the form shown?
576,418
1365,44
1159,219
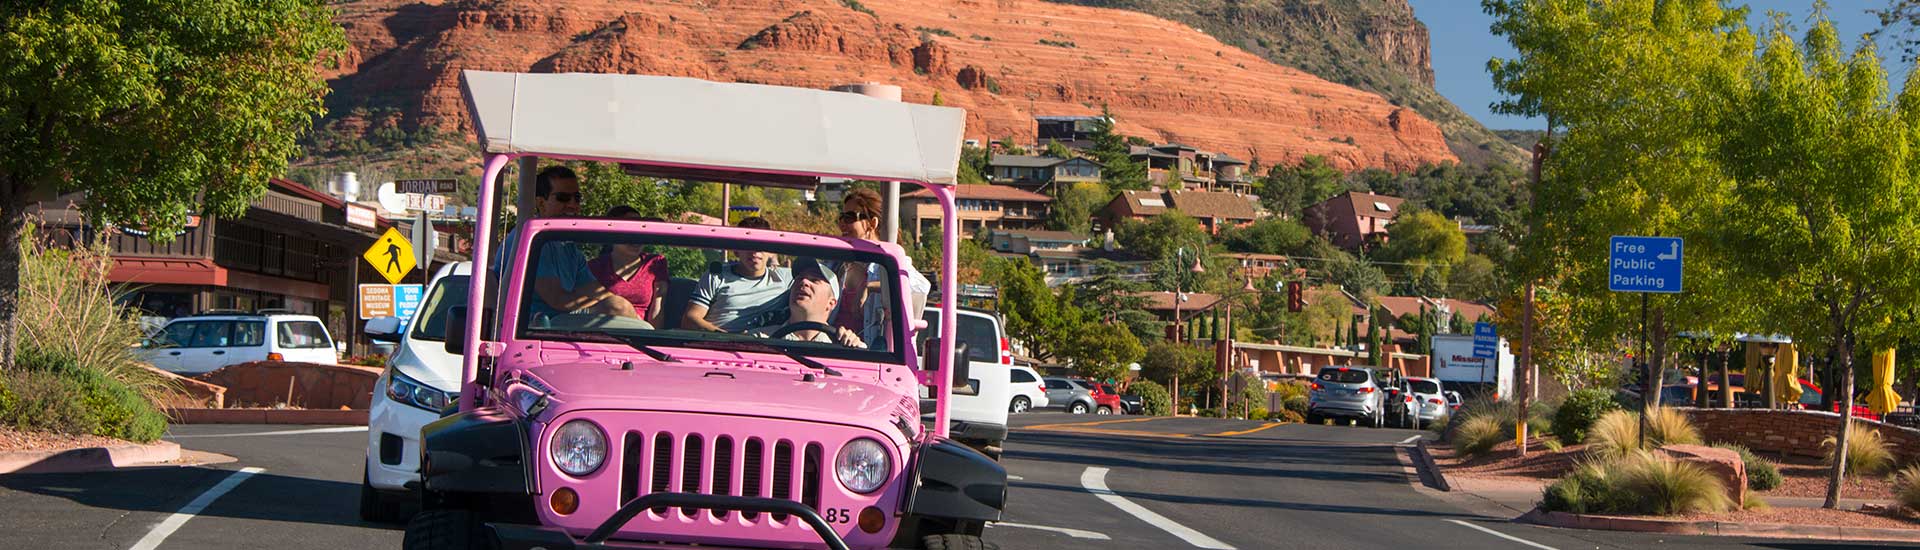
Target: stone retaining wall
1795,432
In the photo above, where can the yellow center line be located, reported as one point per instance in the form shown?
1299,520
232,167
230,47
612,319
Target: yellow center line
1084,424
1245,432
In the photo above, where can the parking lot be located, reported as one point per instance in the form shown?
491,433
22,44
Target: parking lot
1078,482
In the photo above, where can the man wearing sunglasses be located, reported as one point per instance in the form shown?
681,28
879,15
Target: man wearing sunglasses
561,277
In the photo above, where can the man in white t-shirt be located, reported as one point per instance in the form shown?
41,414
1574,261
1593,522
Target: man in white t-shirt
741,293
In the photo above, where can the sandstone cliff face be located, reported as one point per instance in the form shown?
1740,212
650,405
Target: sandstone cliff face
1002,60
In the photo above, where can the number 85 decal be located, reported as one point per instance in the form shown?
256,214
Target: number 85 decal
838,515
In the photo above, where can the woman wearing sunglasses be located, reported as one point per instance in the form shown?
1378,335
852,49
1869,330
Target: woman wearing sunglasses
859,218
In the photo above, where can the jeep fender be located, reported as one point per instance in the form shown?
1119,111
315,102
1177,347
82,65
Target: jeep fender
953,481
482,451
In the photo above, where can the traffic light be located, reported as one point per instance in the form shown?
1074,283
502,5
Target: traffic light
1296,296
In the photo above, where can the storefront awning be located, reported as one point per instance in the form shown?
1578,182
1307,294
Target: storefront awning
167,271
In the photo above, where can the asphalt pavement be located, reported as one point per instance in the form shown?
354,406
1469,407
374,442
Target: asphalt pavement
1078,482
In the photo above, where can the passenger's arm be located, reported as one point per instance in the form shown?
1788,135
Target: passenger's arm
587,295
696,317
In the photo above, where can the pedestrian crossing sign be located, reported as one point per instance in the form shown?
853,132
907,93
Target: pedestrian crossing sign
391,255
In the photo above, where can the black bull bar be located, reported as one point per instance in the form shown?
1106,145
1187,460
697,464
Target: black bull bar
514,537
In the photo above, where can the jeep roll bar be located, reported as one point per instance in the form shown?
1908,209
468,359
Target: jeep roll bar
724,132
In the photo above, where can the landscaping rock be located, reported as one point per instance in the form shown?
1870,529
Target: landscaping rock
1723,463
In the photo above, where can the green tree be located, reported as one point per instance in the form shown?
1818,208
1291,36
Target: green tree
1475,279
1056,150
1159,236
1118,170
1008,147
975,164
1101,351
1074,206
1826,203
1427,245
155,110
1289,189
1269,236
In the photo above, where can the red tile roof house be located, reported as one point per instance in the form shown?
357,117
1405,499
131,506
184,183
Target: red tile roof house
981,208
1214,209
1354,219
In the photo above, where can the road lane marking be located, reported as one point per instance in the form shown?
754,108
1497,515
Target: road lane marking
1502,535
1409,440
342,429
1102,422
1095,480
1075,533
1016,478
1245,432
166,527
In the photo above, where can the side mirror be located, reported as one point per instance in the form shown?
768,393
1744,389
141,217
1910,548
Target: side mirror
962,369
456,333
384,329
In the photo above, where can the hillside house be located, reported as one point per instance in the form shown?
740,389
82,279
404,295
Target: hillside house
1040,174
1072,131
1028,241
1215,210
1176,166
1255,266
981,208
1353,220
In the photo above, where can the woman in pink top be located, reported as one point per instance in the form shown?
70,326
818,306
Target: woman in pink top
632,273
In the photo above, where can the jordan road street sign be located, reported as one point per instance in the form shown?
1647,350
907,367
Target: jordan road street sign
392,256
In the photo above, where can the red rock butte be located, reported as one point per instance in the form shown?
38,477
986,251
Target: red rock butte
1004,61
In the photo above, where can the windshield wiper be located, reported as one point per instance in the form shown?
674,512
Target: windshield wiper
762,347
631,341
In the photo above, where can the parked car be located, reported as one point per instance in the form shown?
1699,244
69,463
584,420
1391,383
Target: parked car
421,381
1130,403
1453,401
1063,393
1402,411
202,343
1104,400
1427,395
1346,393
1028,391
976,416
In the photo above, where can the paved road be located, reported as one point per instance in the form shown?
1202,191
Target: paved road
1168,483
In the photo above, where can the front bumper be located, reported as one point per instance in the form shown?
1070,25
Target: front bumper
393,441
974,431
527,537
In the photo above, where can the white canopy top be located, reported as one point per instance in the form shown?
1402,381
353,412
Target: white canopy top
686,123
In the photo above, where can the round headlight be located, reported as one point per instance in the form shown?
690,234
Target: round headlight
578,448
863,466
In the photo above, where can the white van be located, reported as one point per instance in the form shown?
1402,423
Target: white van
421,379
202,343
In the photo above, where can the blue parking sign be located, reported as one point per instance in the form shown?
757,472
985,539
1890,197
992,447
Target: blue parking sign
1486,341
406,301
1644,264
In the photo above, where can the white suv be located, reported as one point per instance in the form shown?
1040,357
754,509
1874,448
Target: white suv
978,414
421,379
202,343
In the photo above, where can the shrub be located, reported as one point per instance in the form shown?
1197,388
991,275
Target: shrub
1441,424
1867,451
1477,435
1617,433
1637,483
1906,487
1295,403
1762,475
1669,426
1210,413
68,307
1154,398
1286,415
1553,445
1579,412
1258,413
58,395
1663,486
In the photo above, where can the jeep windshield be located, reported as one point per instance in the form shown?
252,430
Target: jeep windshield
659,287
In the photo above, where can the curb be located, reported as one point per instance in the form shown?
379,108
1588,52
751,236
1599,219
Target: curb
348,417
1425,458
1718,528
87,459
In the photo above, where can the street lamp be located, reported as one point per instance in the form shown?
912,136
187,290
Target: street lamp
1179,256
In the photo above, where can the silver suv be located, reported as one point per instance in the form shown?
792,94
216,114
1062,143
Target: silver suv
1347,393
1065,394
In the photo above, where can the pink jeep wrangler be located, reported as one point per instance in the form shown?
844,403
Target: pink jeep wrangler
589,427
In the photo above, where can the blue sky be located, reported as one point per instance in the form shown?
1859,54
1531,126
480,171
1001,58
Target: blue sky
1462,45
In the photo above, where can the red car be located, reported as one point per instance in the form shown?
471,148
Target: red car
1105,401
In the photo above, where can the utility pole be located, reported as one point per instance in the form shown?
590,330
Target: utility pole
1527,374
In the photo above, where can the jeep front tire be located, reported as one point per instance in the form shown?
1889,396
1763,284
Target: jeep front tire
956,542
451,529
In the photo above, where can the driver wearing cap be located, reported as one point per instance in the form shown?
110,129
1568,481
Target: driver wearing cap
810,308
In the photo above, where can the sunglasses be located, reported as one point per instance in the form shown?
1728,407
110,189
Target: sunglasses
563,196
850,217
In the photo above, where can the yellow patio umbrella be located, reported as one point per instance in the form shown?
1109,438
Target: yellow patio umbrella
1752,369
1882,399
1786,366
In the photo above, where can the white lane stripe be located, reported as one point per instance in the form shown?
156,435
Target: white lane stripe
1409,440
166,527
1016,478
1095,480
1503,535
1075,533
342,429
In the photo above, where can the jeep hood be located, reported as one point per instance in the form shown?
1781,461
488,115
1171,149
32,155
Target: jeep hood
696,388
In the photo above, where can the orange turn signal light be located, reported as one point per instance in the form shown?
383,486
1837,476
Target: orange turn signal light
564,501
872,520
276,357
